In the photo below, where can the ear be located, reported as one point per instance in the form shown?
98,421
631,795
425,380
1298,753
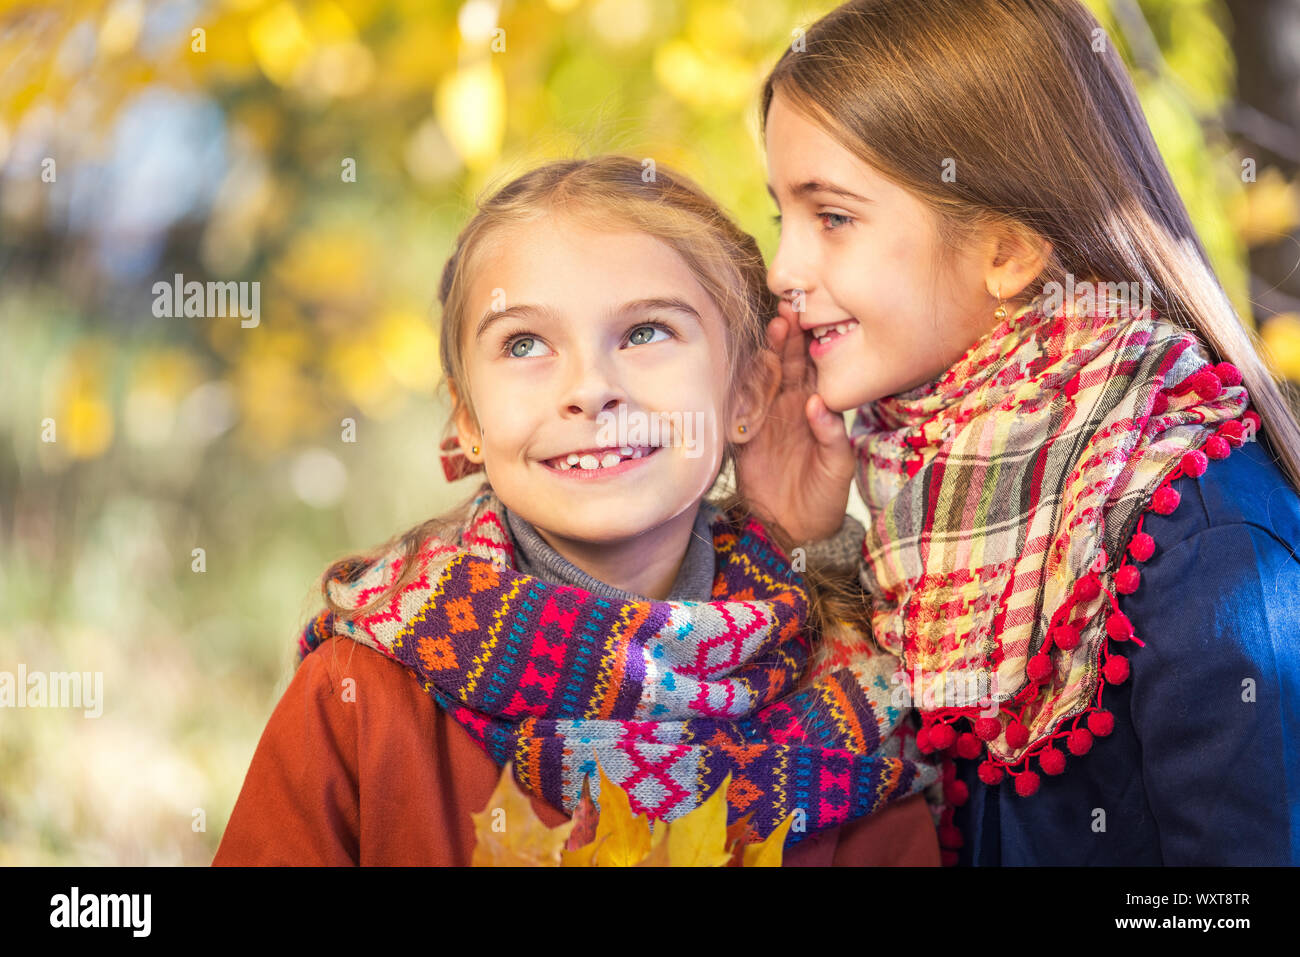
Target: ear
1019,257
467,431
754,397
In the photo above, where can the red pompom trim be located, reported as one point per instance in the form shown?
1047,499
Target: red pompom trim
1127,579
1194,463
968,746
950,836
1065,637
1116,670
923,743
1253,416
1142,547
1165,500
1052,761
1101,723
957,793
1026,783
942,736
948,858
1216,447
1079,741
1234,433
1119,627
1206,384
1228,374
1017,735
987,729
990,773
1087,588
1040,667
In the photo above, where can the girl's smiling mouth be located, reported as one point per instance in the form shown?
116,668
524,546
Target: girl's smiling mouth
599,463
824,338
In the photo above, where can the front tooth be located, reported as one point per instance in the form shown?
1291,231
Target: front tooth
564,466
589,462
610,460
625,450
573,458
637,454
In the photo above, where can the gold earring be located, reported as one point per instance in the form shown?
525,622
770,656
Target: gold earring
474,449
1000,312
743,429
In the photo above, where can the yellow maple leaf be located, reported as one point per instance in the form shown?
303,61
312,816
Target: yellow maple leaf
510,834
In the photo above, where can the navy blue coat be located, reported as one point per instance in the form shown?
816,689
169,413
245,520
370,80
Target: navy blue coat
1195,772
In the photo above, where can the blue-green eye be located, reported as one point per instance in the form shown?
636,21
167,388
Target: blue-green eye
524,347
642,335
843,220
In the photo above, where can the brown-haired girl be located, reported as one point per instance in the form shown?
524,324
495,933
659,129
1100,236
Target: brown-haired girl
603,339
1080,477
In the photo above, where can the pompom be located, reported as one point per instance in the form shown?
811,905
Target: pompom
1101,723
948,858
1256,423
987,729
1228,374
923,742
1234,433
1127,579
1142,547
942,736
968,746
1017,735
1116,670
1087,588
1194,463
950,836
1119,627
949,772
1052,761
1161,404
1206,384
1165,500
1066,637
1216,447
1040,667
957,793
1079,741
990,773
1026,783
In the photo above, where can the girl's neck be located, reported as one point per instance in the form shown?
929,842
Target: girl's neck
648,564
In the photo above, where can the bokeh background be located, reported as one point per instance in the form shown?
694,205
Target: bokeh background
133,148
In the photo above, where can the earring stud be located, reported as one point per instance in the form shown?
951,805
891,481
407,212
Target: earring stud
1000,312
474,449
743,429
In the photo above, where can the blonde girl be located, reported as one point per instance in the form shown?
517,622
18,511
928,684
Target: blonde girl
603,340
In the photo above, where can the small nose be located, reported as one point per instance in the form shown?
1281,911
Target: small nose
787,274
593,388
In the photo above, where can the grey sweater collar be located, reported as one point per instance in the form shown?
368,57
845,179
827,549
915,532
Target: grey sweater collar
694,582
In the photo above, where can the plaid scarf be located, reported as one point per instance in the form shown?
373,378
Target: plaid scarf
671,697
1006,501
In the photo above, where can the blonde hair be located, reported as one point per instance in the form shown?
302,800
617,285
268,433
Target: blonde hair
615,192
1050,141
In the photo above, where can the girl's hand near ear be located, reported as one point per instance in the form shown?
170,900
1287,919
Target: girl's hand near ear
797,470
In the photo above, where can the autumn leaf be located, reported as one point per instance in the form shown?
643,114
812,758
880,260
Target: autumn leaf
767,853
699,839
624,837
510,834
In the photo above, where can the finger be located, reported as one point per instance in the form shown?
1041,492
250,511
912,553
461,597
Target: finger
831,433
794,359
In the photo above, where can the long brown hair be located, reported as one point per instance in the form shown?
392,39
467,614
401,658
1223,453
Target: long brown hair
1033,104
612,192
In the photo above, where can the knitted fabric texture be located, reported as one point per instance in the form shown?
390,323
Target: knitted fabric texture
1006,498
671,697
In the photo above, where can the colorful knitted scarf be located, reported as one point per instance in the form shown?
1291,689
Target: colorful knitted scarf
671,697
1006,501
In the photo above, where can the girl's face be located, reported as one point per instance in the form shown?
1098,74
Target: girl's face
881,312
596,366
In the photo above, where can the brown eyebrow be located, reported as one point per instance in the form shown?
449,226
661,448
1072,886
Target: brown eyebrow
818,186
527,310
